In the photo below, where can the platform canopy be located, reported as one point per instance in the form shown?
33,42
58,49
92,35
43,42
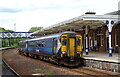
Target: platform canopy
77,24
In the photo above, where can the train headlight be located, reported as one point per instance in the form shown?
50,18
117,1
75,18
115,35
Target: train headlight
63,52
79,52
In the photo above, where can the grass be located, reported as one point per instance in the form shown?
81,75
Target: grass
49,73
45,71
39,70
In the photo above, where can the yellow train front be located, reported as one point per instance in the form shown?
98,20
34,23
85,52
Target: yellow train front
71,49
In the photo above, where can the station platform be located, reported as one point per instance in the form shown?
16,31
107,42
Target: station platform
102,61
103,56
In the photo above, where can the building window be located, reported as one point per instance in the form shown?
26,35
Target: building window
101,39
116,37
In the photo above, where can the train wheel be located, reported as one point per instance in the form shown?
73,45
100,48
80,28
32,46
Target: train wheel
35,56
27,54
19,52
43,57
40,57
24,53
58,62
30,55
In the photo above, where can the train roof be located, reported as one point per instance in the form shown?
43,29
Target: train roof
50,36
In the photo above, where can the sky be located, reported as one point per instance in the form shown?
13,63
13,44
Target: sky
25,14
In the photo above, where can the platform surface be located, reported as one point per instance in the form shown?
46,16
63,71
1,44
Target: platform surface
103,56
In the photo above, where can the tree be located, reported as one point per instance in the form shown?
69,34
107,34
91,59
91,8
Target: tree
2,29
33,29
10,42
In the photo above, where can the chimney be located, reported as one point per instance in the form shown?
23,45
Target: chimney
90,12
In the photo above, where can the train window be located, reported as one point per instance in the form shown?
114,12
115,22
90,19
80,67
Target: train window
23,44
64,37
37,44
64,42
32,44
28,43
41,44
78,42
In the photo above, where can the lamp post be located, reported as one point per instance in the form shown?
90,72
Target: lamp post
15,27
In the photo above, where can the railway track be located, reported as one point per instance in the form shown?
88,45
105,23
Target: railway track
84,71
75,71
89,72
81,70
93,73
15,73
7,65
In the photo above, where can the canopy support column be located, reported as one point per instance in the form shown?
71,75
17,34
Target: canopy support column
86,32
110,25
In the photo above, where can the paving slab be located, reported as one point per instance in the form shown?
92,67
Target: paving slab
102,56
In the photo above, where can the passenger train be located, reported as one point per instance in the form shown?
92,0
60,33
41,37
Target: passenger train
62,48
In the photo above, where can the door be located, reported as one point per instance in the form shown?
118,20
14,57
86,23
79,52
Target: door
26,46
107,43
54,46
72,46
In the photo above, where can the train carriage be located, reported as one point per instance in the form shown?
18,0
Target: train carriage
62,48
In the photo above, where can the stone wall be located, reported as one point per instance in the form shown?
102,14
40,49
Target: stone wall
103,65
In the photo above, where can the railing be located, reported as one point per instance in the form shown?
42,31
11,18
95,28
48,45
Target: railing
16,35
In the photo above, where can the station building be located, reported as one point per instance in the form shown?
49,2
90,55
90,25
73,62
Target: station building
100,32
98,39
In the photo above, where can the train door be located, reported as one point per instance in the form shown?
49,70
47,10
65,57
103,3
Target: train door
26,46
64,43
72,46
79,45
54,46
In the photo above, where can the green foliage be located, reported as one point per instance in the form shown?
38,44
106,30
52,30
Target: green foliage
49,73
9,31
14,42
9,42
45,71
33,29
4,30
39,69
15,45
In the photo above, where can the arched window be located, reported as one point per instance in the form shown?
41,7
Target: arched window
116,36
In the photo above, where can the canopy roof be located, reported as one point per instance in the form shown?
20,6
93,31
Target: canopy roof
77,23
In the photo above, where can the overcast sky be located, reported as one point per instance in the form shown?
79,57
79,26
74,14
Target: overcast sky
35,13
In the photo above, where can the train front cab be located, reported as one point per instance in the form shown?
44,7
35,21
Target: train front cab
71,49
